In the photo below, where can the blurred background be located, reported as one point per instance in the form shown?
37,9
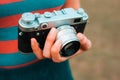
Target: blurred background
102,61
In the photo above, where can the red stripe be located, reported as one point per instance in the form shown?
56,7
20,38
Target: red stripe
8,47
18,66
9,1
10,21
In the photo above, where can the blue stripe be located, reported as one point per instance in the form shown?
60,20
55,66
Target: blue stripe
28,5
16,59
9,33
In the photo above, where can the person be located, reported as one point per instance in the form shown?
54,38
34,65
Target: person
46,64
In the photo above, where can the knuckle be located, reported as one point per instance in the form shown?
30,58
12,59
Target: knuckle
50,38
39,57
47,56
53,50
83,40
34,49
52,35
57,60
87,45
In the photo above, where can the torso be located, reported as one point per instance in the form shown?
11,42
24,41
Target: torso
10,12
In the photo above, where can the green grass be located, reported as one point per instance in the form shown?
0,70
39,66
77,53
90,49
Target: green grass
102,61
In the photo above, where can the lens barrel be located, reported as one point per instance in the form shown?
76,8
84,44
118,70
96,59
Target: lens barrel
70,42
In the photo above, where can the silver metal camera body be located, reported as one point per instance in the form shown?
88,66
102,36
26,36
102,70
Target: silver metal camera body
68,22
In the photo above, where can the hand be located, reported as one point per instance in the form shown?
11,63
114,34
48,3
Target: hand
52,47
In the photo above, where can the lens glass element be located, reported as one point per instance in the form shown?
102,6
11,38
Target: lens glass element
70,48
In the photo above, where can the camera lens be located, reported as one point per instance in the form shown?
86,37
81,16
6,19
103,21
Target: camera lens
70,48
70,42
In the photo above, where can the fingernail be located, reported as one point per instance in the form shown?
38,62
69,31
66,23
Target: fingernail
80,35
52,31
32,41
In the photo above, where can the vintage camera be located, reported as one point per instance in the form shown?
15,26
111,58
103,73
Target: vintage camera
67,21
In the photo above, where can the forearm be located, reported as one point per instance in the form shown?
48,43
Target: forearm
72,3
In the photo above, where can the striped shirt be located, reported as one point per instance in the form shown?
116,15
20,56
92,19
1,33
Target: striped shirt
10,12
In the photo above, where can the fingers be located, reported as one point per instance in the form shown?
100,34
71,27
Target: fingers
55,52
36,50
52,47
85,44
84,41
55,55
49,42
